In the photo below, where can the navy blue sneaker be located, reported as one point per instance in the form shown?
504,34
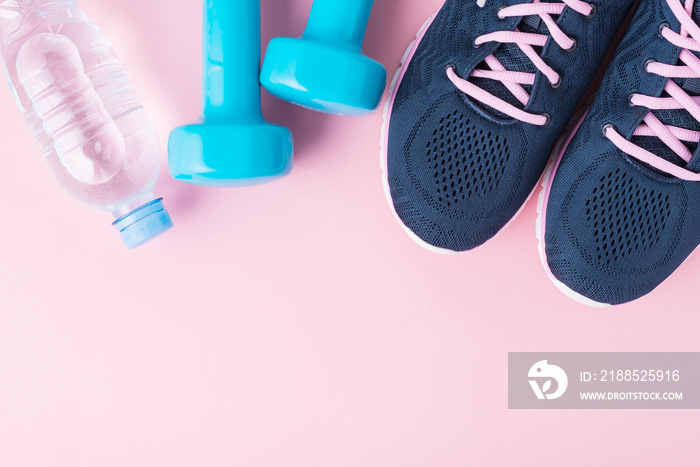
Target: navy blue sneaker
620,210
475,110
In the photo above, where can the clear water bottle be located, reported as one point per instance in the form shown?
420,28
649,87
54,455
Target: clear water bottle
96,136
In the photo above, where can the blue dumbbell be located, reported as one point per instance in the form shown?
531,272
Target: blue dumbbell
232,145
325,69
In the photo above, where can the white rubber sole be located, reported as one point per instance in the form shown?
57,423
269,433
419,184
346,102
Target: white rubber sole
410,51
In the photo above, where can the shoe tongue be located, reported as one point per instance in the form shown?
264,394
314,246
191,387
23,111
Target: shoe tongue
512,59
680,118
510,55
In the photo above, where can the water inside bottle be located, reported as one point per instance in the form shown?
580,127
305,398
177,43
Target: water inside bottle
87,140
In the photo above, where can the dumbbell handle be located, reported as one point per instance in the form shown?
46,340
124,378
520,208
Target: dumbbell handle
231,87
339,21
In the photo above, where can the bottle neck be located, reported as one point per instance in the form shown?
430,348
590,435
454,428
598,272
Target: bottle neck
126,208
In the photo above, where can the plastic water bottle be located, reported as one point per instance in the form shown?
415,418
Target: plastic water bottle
96,136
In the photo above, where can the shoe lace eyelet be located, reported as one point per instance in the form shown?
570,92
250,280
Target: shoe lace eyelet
556,85
593,12
630,96
498,12
548,117
605,129
573,47
648,62
663,26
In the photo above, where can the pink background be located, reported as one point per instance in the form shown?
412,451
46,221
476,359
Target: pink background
293,324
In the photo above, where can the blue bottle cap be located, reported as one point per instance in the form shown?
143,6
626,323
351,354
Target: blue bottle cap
144,223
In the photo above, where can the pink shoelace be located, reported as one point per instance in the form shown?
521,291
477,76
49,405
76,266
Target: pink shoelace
514,80
673,137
